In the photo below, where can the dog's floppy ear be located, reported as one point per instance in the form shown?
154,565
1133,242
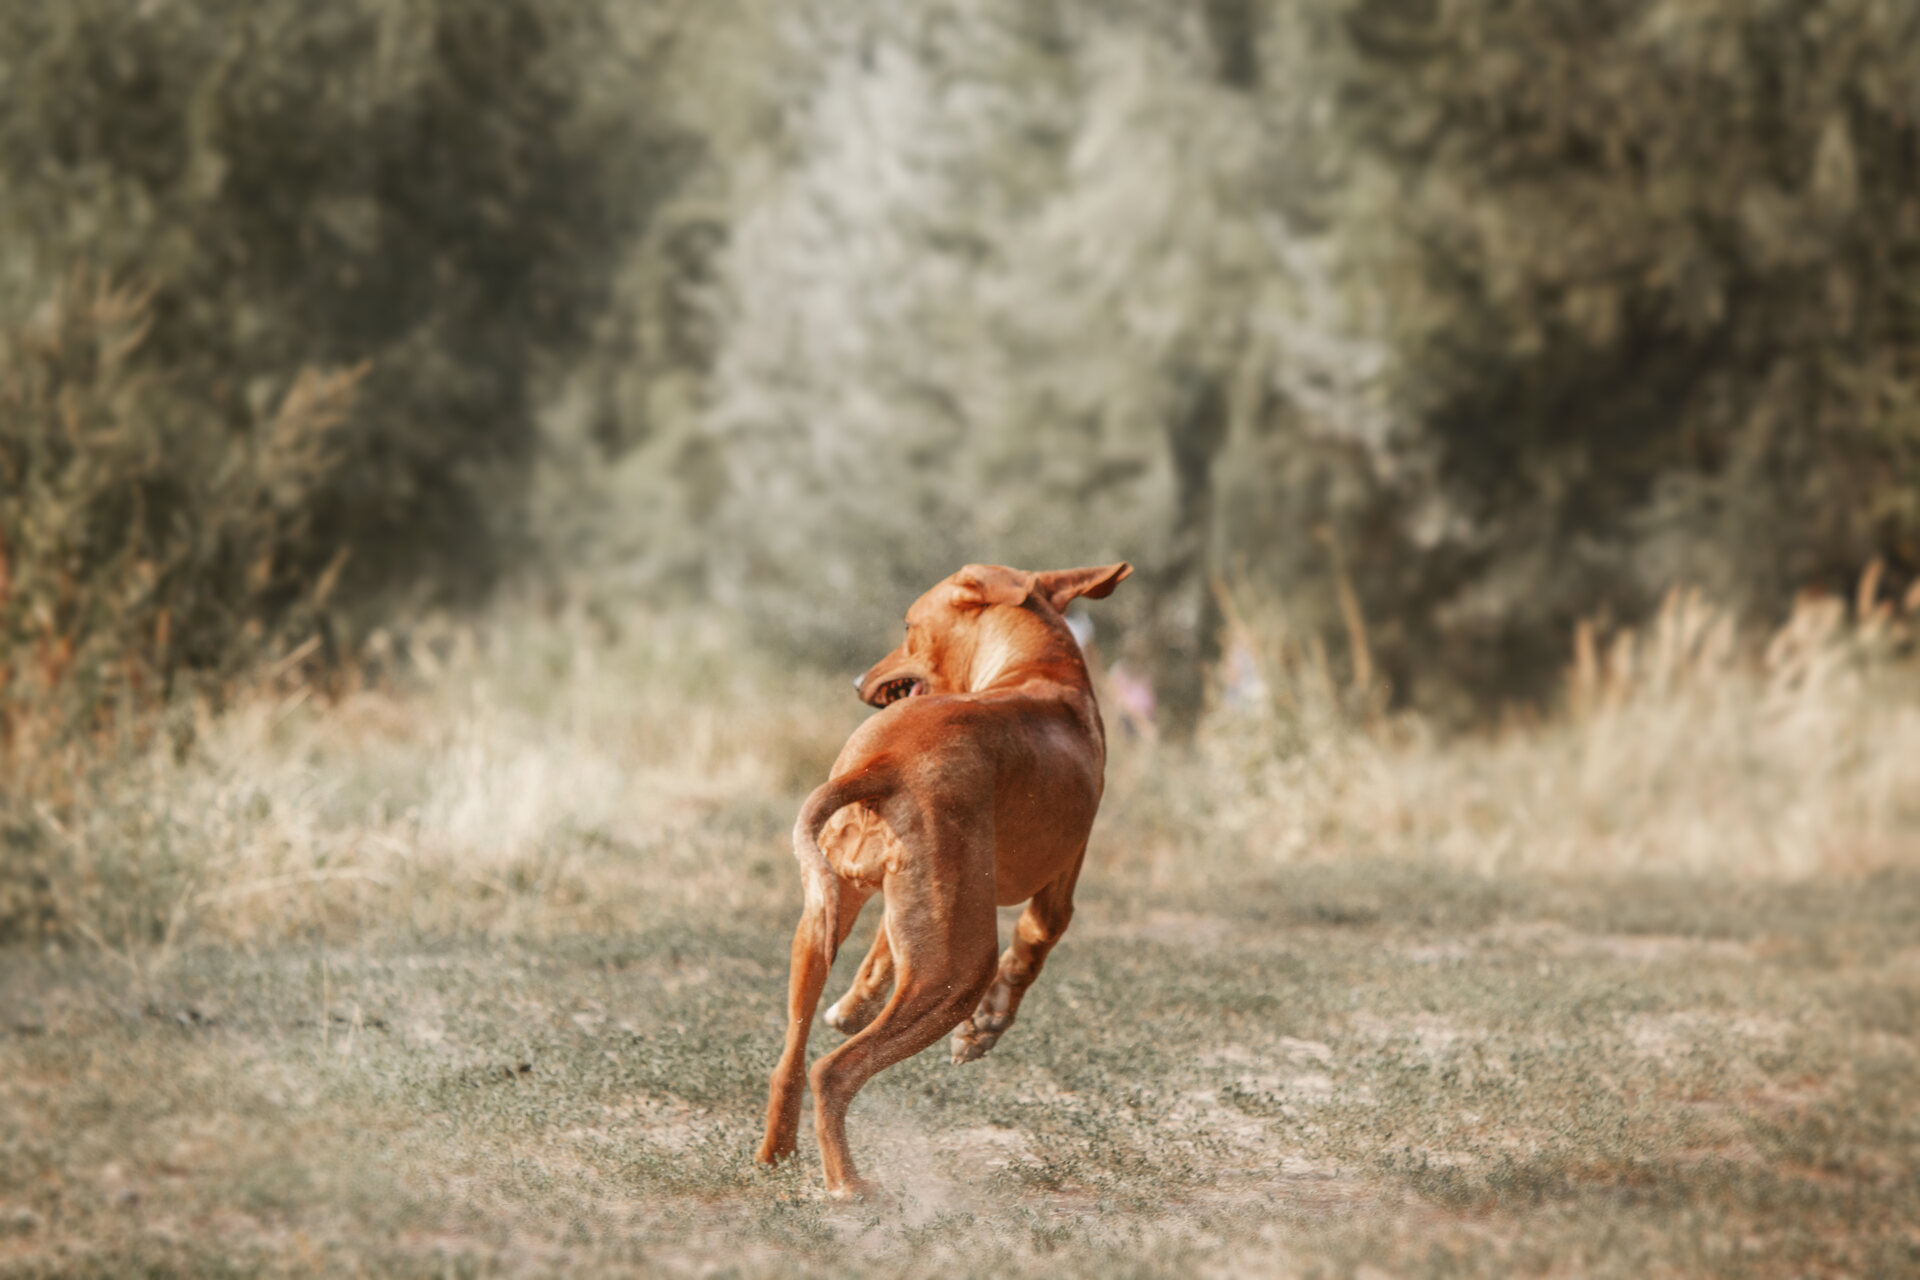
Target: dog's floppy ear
1062,587
978,585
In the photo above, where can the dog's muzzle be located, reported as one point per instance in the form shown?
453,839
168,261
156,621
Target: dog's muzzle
895,690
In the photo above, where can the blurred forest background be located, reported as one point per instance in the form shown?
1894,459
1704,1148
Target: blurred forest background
1450,325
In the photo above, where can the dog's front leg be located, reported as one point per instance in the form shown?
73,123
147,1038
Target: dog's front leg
1039,928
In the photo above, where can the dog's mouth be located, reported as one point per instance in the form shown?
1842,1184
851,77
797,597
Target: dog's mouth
895,690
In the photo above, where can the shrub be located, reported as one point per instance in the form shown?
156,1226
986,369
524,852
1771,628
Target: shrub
430,189
140,535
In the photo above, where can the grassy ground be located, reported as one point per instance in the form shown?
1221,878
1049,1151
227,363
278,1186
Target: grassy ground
486,978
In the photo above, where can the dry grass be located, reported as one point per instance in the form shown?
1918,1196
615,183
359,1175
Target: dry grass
1688,748
536,777
484,976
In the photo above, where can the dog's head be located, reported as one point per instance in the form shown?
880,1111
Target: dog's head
983,624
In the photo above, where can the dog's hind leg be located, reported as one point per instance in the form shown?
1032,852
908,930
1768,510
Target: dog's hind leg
806,979
1038,929
945,961
868,994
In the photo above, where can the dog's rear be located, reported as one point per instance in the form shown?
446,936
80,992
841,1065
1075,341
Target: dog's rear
976,786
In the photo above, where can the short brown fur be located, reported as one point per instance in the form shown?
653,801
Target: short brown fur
974,787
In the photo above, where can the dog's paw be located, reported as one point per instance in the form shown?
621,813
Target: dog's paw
970,1042
850,1017
855,1189
840,1018
769,1155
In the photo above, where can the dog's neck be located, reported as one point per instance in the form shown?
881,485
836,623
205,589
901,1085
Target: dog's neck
1007,655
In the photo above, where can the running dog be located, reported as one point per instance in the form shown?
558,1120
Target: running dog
973,788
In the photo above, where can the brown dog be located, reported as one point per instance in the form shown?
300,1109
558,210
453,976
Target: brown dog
974,787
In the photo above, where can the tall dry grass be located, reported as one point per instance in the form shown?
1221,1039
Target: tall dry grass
1686,747
538,773
542,775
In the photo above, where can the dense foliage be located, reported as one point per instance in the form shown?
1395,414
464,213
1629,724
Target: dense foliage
1477,318
1447,322
1655,301
139,538
424,193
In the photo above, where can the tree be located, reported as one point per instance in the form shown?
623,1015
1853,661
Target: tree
429,187
1002,302
1653,273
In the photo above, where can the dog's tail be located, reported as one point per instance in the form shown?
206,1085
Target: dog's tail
822,886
